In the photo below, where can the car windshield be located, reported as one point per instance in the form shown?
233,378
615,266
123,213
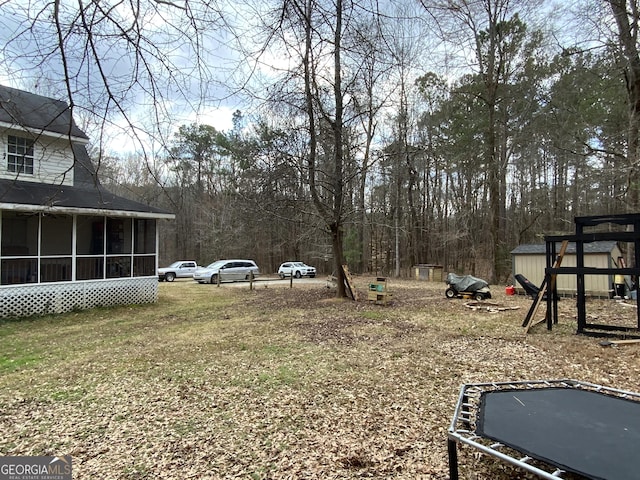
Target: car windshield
299,264
216,264
175,264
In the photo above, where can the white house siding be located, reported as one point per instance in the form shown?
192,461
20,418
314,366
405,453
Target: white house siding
53,160
532,266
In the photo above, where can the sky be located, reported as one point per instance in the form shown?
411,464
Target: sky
191,69
147,72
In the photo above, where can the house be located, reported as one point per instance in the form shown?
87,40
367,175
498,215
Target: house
530,261
65,242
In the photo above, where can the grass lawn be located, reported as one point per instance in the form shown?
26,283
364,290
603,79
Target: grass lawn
223,382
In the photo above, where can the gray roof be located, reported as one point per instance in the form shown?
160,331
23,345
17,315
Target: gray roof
86,193
29,110
64,197
540,248
26,110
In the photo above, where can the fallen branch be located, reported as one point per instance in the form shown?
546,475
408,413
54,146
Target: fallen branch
615,343
488,306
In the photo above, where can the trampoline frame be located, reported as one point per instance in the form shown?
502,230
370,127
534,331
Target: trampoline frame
463,424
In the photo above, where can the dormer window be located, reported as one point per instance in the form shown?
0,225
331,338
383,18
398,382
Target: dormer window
20,155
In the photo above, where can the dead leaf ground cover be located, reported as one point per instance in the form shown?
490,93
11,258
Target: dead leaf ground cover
274,383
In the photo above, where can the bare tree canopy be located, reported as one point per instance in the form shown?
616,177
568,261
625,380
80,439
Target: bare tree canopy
128,66
380,135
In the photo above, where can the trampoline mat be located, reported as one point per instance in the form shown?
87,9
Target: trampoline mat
586,432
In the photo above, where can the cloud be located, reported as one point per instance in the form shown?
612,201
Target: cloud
134,76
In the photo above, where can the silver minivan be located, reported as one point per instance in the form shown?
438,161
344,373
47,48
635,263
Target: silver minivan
228,270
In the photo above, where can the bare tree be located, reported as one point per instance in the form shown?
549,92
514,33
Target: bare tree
121,65
495,35
323,43
627,20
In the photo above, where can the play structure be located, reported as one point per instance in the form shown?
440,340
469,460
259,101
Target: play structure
550,428
529,260
587,230
379,292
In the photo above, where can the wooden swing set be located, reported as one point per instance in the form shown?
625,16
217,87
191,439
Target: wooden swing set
554,267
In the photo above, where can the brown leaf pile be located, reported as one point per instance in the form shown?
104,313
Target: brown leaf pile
280,383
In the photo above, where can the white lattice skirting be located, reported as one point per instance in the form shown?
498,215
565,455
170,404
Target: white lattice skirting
42,299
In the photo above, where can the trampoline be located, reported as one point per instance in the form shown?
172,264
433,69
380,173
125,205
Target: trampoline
550,428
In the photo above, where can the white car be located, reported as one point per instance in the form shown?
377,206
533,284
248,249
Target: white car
228,270
297,269
179,269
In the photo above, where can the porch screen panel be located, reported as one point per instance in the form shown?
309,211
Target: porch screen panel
118,235
57,235
89,268
118,267
144,236
144,266
144,247
19,234
90,236
19,270
55,269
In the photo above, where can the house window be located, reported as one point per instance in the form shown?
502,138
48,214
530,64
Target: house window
20,155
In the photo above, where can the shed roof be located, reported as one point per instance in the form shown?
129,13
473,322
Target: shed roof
30,111
540,248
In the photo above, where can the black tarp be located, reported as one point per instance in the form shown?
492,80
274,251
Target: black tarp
465,283
529,287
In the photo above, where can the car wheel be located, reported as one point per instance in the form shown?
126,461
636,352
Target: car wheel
478,297
281,276
214,278
298,275
449,293
170,277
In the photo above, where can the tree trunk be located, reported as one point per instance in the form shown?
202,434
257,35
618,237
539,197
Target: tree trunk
338,256
627,34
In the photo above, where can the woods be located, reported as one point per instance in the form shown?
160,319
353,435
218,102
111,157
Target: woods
381,136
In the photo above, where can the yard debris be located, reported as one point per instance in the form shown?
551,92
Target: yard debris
298,385
624,303
615,343
489,306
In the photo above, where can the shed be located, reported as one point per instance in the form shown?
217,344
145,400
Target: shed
428,272
530,261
